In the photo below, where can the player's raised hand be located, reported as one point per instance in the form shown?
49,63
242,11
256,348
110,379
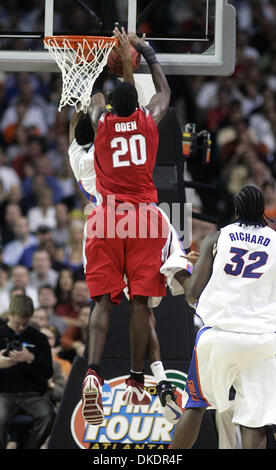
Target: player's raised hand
135,40
123,48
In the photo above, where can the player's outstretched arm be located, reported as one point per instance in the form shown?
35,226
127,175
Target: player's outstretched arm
159,103
73,124
95,109
202,269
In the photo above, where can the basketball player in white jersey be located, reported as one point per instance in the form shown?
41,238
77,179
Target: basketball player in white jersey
234,283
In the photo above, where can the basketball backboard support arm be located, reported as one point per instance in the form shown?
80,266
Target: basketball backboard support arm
220,60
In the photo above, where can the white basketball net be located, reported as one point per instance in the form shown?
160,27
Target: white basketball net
80,66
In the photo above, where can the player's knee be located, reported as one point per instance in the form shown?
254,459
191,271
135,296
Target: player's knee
103,303
140,300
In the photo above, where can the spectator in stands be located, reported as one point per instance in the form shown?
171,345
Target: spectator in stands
42,273
44,213
43,234
55,253
73,251
12,213
243,138
61,231
40,318
25,111
66,180
4,287
47,300
251,98
3,94
70,311
32,150
15,195
269,193
56,383
59,154
17,291
73,339
248,52
260,119
259,173
23,239
53,338
8,176
64,287
220,111
24,374
207,94
20,279
42,176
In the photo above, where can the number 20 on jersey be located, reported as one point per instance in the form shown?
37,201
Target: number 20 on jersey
134,148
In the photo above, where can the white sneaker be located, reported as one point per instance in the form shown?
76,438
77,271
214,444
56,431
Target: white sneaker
92,408
172,412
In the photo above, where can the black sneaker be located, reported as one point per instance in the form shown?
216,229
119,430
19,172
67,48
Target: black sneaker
171,411
165,391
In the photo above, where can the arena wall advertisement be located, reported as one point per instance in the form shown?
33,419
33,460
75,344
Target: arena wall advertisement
127,426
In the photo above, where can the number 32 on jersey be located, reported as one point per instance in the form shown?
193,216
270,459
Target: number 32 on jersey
240,265
134,147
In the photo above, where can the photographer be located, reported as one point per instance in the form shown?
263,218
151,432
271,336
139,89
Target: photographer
25,367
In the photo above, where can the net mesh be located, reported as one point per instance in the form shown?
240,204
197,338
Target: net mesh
81,61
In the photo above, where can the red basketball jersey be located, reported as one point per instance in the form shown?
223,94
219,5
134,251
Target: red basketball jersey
125,154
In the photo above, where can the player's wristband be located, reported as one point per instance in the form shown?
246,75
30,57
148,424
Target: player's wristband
148,53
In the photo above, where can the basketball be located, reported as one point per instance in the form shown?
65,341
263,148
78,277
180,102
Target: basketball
114,61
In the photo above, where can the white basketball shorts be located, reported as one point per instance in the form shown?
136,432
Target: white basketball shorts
246,361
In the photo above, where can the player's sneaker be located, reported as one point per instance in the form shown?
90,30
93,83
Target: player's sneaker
92,408
171,411
135,394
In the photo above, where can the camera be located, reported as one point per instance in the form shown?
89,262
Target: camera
10,345
196,144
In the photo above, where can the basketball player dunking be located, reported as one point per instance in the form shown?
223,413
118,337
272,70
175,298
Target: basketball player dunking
125,151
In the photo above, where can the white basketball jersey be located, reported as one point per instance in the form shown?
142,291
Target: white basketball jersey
82,164
241,293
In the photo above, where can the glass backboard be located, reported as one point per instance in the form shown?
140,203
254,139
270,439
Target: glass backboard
190,37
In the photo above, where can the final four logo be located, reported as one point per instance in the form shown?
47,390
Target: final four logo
128,426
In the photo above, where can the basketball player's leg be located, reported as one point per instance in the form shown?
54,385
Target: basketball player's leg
187,428
165,390
98,329
92,409
253,438
139,330
142,265
104,267
104,278
153,348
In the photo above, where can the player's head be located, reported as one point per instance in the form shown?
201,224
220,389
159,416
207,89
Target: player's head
250,206
84,133
124,99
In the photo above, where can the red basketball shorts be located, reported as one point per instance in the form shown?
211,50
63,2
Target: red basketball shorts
125,240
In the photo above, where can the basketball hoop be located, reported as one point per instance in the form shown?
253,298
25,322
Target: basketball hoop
81,59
